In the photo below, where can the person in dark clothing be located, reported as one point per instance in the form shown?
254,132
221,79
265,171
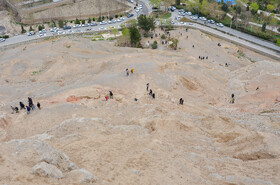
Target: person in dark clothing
257,88
193,46
39,105
111,94
28,109
22,106
232,95
30,102
182,102
127,72
154,96
199,57
16,108
151,92
226,64
148,86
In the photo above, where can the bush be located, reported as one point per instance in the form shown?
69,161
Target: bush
22,29
77,21
225,7
93,19
163,36
116,16
83,21
99,19
278,42
154,45
60,23
103,18
89,20
6,36
31,29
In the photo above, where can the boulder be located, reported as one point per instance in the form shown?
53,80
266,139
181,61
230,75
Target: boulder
81,176
44,169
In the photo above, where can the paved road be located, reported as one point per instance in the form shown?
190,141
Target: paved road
236,33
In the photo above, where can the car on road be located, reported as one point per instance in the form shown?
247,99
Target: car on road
114,21
129,15
93,24
190,23
66,27
178,18
30,33
211,21
220,25
2,40
189,13
103,23
131,1
203,18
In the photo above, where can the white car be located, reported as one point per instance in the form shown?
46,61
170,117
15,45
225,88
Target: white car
2,40
220,25
189,13
179,18
211,21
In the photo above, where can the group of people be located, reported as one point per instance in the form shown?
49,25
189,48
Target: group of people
109,96
202,58
28,107
151,91
127,71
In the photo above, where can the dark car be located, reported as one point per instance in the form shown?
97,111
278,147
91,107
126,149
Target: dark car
67,27
93,24
130,15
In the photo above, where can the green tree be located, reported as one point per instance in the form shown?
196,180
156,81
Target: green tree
135,36
60,23
225,7
204,7
278,42
22,29
154,45
99,19
155,3
270,8
238,10
83,21
254,7
77,21
30,28
178,2
89,20
146,23
93,19
263,27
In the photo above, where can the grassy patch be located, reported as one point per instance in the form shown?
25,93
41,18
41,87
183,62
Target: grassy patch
166,16
35,73
68,46
240,54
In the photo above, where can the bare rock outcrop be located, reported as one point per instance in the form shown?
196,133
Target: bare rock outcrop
44,169
81,176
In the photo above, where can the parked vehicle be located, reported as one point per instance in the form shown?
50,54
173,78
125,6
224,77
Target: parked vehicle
2,40
66,27
129,15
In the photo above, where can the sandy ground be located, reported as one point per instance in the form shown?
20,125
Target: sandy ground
7,21
152,141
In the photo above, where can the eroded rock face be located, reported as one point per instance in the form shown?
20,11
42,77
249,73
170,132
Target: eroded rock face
44,169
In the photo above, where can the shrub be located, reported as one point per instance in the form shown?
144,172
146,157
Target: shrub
6,36
60,23
22,29
77,21
116,16
99,19
93,19
154,45
89,20
83,21
163,36
278,42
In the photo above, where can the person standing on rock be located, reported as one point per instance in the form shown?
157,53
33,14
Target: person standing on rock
22,106
153,95
28,109
148,86
39,105
151,92
111,94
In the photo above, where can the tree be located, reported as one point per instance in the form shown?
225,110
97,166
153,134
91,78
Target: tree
83,21
254,7
263,27
77,21
238,10
270,8
278,42
155,3
204,7
225,7
30,28
22,29
60,23
135,36
174,43
178,2
146,23
89,20
154,45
